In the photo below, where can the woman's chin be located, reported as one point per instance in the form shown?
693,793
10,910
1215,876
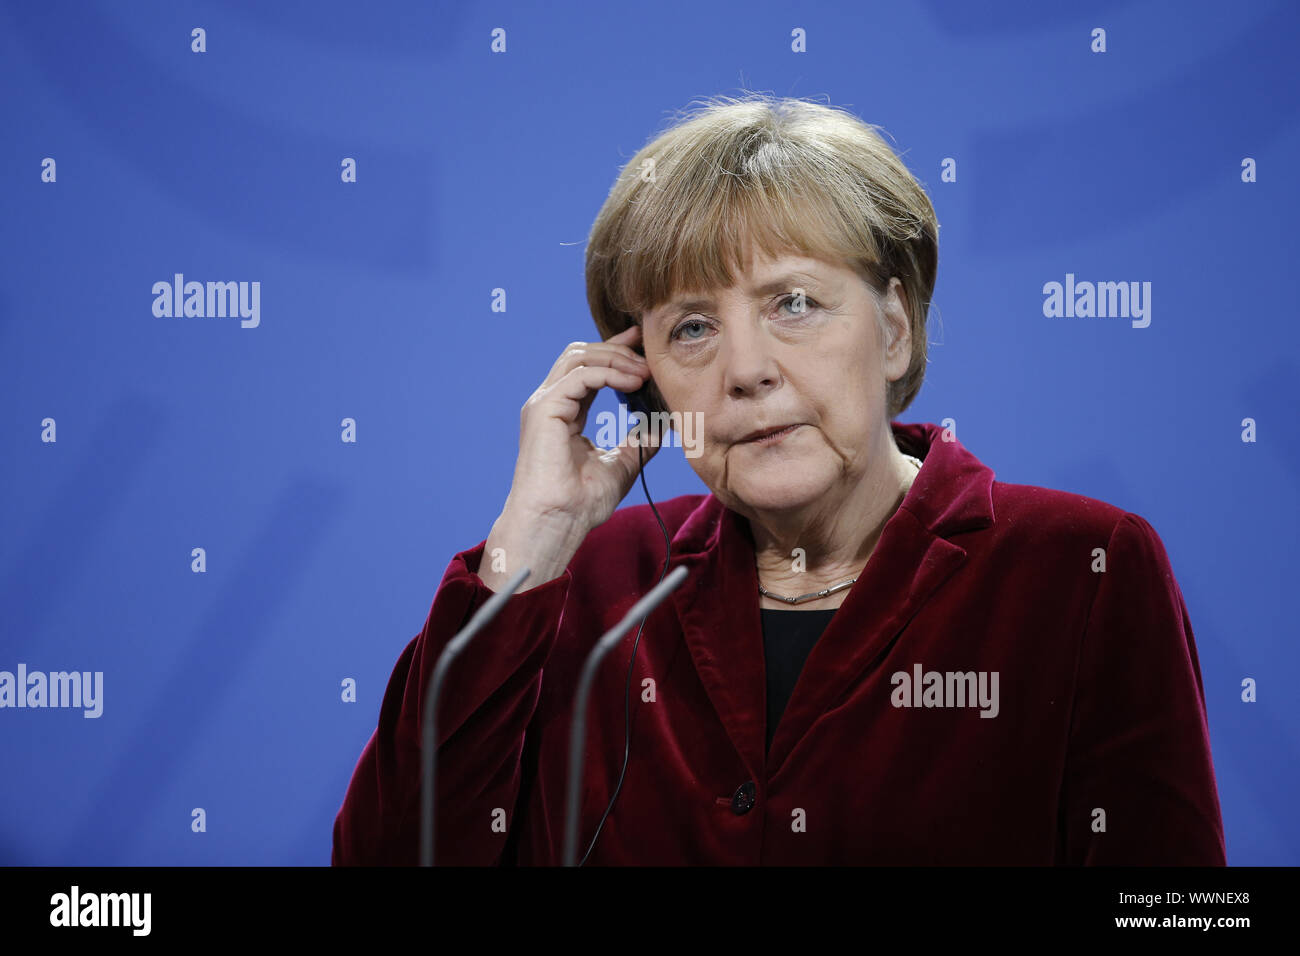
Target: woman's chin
775,494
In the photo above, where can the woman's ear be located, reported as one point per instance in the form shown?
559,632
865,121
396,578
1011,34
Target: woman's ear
898,326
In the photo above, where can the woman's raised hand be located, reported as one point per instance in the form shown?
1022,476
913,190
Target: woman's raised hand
563,484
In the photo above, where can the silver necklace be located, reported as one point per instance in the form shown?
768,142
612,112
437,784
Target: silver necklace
825,591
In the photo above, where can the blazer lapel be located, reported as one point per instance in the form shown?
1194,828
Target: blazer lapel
717,605
718,608
907,567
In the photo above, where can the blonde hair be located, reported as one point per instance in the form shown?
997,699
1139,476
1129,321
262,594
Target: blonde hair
786,174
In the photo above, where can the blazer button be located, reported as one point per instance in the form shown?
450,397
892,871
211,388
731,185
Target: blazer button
743,799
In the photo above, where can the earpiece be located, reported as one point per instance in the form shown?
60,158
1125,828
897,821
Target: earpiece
636,401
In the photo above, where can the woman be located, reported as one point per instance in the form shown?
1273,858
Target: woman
880,654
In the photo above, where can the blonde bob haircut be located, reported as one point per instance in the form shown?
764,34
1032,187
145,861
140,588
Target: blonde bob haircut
788,175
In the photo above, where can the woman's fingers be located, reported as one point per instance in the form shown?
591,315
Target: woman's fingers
571,396
559,471
612,353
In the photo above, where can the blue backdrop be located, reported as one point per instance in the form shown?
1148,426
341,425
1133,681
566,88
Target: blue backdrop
1108,141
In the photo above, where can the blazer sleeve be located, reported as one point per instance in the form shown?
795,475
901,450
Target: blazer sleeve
1139,746
488,700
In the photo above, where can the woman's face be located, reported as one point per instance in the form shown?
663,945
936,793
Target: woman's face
748,358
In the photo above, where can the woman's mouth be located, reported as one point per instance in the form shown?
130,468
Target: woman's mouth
771,438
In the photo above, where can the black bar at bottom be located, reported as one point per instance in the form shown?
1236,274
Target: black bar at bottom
248,904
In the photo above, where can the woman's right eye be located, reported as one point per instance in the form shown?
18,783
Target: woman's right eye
677,332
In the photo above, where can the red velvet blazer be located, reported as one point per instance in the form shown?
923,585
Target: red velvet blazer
1093,750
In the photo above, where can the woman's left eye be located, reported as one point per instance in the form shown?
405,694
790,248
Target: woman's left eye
802,303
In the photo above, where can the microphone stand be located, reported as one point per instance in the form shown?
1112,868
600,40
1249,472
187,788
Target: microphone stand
429,746
578,731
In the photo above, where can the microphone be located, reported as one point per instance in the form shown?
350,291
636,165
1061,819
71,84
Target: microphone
429,748
578,731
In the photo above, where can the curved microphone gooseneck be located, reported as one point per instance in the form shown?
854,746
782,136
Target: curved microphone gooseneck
433,691
607,642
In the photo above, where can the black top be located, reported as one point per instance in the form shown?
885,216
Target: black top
788,638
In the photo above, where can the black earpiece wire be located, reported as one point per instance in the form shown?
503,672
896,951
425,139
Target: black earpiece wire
627,689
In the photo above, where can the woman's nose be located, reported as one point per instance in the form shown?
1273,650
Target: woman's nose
747,354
